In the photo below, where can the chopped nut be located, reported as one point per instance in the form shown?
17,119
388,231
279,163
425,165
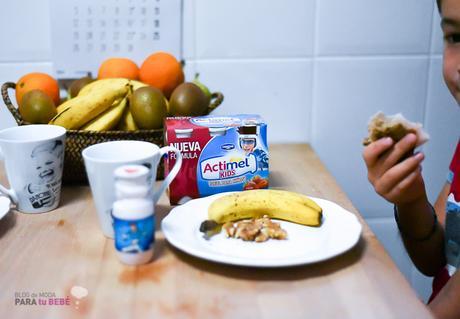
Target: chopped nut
258,230
229,229
246,231
261,237
278,234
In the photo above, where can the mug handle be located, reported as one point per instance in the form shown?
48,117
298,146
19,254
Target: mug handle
5,191
168,179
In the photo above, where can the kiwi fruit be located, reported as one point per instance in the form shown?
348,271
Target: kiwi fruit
188,100
37,107
148,107
77,85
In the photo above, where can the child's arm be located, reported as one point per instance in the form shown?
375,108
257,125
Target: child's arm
445,305
440,205
423,239
397,178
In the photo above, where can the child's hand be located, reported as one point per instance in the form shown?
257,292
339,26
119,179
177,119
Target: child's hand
395,177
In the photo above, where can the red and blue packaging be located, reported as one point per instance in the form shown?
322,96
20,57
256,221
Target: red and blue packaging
219,154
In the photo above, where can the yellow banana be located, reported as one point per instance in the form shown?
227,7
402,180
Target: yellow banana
275,204
137,84
113,83
62,106
103,85
127,121
109,119
80,110
167,106
292,196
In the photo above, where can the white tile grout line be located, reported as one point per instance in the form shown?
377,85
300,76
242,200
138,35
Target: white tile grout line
312,126
181,50
271,59
194,36
194,4
430,67
312,58
281,58
317,58
19,62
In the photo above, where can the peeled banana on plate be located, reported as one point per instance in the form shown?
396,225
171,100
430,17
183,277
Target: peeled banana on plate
276,204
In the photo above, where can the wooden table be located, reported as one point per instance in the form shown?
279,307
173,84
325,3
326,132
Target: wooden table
48,254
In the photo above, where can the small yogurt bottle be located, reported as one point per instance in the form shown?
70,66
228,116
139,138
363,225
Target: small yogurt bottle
133,215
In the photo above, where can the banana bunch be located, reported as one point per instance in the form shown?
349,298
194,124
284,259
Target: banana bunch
276,204
99,106
109,118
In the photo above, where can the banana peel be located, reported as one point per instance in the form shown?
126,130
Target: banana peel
78,111
109,119
127,121
97,106
103,85
137,84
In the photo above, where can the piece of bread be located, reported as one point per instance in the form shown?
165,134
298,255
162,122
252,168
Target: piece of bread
395,126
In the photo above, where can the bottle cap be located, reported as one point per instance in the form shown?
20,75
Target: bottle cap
132,173
132,208
127,190
131,181
217,131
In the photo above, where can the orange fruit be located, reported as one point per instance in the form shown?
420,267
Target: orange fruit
38,81
163,71
118,68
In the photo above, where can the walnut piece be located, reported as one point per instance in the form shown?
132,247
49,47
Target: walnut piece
258,230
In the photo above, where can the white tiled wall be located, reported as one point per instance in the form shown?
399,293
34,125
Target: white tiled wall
254,29
277,89
315,69
26,31
360,27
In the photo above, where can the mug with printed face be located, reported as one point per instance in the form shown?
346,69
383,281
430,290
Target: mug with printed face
33,156
102,159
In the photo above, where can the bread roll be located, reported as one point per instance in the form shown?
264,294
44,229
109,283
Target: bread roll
395,126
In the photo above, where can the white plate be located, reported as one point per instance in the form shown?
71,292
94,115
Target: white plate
5,203
339,232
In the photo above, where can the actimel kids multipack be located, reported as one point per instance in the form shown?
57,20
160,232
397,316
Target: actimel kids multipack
219,154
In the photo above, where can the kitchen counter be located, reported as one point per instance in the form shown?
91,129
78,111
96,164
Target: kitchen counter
45,256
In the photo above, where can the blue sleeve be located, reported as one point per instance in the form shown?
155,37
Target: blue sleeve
450,177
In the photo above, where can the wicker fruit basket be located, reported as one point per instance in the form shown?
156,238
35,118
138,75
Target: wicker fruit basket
76,140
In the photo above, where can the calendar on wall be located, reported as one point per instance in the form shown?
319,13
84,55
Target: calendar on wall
84,33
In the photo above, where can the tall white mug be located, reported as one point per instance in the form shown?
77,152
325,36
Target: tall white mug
102,159
34,158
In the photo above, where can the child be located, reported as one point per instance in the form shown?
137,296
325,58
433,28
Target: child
430,234
48,160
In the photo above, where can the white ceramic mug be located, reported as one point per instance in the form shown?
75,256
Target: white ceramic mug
34,159
102,159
